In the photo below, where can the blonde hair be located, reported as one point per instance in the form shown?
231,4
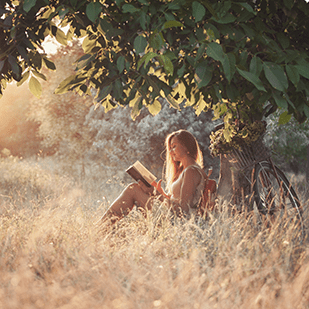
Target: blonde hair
173,169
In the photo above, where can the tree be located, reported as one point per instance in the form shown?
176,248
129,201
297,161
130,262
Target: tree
244,60
61,119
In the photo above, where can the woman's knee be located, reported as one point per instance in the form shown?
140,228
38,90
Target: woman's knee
131,189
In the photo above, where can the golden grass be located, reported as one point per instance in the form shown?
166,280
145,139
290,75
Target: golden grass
52,256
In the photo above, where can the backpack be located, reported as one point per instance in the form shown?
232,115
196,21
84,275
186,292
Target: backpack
207,201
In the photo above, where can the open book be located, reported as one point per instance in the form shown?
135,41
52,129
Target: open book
139,172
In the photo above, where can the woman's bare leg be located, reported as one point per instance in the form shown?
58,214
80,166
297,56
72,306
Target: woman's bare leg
125,202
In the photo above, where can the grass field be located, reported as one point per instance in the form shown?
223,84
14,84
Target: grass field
53,256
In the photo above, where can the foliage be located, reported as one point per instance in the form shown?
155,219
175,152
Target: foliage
61,118
246,134
242,59
289,142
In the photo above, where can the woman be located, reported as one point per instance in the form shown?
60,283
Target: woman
184,178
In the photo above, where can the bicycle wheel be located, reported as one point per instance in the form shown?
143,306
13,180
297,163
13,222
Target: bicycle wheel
274,194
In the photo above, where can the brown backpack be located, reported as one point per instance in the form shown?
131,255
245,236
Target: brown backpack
209,194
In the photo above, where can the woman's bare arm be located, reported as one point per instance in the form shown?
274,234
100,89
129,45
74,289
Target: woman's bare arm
191,179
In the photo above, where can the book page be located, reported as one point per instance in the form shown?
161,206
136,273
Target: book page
149,177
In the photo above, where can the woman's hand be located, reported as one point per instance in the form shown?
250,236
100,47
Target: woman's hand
159,189
147,190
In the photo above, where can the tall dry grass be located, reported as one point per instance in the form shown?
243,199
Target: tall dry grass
52,255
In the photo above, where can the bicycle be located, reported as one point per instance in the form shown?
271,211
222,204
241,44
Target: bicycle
270,188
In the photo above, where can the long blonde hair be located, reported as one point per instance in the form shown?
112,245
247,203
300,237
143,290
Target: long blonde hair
173,169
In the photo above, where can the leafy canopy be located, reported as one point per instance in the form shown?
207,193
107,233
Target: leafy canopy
243,59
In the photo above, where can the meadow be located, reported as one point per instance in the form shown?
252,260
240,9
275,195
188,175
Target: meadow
52,255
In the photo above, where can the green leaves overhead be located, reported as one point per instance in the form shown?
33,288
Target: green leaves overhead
293,74
215,51
145,59
203,74
121,64
303,68
252,78
129,8
231,52
140,44
93,10
167,64
35,86
28,5
172,23
276,76
198,11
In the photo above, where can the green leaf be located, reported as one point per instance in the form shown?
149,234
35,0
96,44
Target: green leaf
276,76
167,63
284,118
203,75
84,61
24,78
136,106
293,74
118,2
252,78
306,110
303,69
140,44
173,102
121,64
103,93
146,58
181,71
93,10
38,74
35,87
198,11
65,85
229,64
129,8
61,37
172,23
256,66
227,19
154,108
248,7
215,51
14,65
49,64
156,40
28,5
210,8
280,101
88,45
284,40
